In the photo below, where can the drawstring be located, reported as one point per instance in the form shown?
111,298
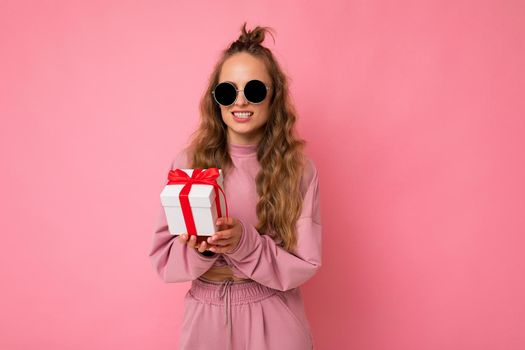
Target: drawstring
226,289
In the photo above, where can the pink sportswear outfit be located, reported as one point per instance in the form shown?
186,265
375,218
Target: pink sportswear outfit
266,312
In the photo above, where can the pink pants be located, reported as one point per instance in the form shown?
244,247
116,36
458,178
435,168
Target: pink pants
243,315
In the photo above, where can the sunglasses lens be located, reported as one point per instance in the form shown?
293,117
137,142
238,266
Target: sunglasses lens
225,94
255,91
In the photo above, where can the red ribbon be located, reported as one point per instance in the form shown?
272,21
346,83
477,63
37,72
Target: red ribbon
207,177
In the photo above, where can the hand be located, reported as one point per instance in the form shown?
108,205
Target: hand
183,239
228,238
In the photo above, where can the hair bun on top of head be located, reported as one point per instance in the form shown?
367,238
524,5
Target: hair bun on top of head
253,37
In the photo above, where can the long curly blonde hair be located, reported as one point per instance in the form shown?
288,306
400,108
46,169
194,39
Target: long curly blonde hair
280,152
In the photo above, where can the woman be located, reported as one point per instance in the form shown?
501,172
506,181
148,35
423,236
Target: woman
245,278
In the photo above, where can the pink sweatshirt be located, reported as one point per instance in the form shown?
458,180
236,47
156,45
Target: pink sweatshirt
257,256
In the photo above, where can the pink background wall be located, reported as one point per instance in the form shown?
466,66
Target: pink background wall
413,111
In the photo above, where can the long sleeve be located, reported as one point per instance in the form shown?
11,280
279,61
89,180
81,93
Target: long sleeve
261,259
173,261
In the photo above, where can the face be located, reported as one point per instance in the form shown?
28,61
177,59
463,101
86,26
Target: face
240,69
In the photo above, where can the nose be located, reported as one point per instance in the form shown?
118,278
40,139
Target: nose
241,100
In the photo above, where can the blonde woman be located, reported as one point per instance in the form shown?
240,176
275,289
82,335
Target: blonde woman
245,279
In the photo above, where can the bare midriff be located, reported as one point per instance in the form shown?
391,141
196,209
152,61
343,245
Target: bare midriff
221,274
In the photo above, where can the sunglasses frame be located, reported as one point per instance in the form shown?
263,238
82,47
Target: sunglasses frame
237,92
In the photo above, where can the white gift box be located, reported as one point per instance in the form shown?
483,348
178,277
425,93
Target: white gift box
202,203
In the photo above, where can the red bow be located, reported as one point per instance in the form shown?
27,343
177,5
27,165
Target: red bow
207,177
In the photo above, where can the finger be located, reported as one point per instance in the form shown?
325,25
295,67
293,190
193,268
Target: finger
202,247
224,234
217,249
182,238
192,241
223,242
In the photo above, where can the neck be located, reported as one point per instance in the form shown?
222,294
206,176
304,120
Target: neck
237,139
242,150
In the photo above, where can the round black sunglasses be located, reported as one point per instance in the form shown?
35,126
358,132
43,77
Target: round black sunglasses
226,93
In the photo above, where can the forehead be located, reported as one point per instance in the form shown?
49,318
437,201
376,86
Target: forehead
243,67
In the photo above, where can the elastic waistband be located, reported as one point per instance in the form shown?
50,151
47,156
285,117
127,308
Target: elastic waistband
242,292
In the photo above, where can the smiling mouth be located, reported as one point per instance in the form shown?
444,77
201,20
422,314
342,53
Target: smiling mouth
242,115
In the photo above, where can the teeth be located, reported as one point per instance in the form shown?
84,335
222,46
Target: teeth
242,114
